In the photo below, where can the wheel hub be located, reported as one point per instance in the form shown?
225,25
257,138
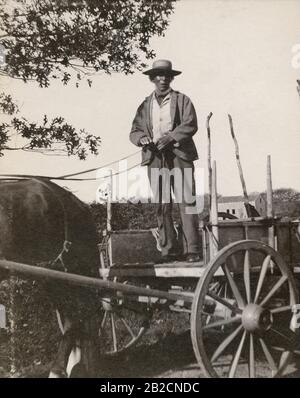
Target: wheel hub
110,304
256,318
107,304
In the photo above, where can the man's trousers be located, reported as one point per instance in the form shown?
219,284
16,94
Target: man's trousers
168,173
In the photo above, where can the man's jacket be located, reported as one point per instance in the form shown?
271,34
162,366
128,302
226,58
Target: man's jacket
184,126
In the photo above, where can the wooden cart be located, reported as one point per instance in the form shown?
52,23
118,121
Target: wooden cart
242,296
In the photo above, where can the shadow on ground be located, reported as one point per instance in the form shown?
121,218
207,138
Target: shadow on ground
172,356
171,353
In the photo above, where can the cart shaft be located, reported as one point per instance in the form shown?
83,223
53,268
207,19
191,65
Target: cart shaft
34,272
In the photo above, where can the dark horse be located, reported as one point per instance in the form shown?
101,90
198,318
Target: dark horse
43,224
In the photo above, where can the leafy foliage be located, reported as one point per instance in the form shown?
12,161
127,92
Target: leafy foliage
287,203
65,39
129,215
52,135
35,334
44,39
286,194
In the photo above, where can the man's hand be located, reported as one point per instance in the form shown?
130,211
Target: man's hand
145,141
164,141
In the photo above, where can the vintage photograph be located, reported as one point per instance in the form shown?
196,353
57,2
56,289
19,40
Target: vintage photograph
149,190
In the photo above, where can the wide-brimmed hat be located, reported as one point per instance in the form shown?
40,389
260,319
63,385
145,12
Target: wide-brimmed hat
162,65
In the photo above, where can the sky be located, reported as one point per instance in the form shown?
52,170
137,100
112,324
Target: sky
235,57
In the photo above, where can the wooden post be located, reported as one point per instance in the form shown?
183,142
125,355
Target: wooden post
209,158
250,210
109,215
238,160
214,237
270,211
204,244
12,328
109,200
2,317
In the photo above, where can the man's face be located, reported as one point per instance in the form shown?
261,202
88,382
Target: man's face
162,81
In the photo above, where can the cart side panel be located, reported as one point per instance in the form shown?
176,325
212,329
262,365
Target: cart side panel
230,232
284,244
139,247
295,244
134,246
287,243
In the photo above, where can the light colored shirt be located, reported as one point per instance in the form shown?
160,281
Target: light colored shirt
161,116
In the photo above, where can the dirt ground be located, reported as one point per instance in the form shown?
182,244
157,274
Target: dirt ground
170,357
164,352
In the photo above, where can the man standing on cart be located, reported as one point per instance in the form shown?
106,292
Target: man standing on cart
163,126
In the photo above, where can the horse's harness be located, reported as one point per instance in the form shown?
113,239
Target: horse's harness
66,243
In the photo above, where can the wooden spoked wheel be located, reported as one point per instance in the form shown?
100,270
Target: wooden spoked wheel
122,322
122,325
241,313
